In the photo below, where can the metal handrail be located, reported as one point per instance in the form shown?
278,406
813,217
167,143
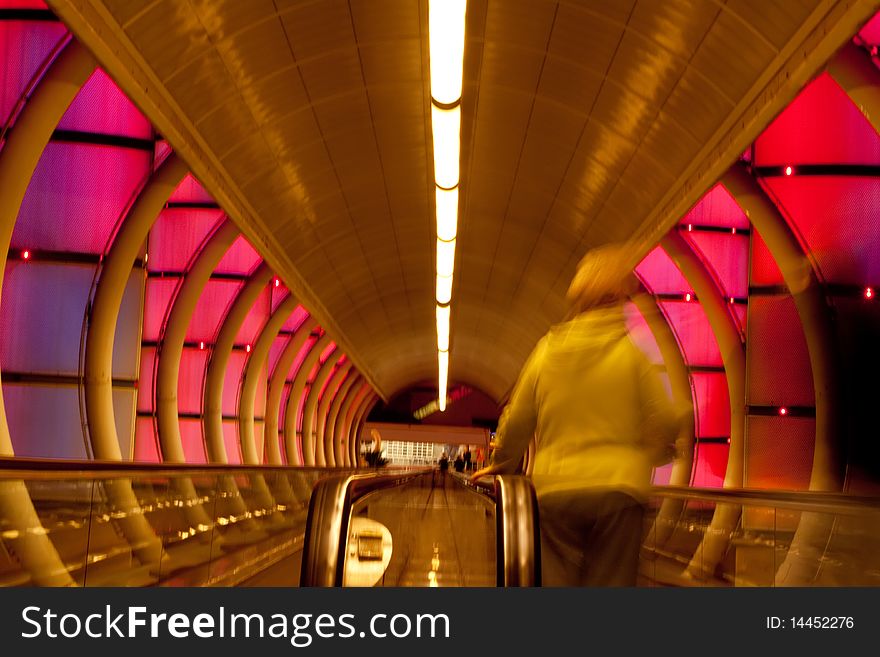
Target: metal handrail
816,501
323,558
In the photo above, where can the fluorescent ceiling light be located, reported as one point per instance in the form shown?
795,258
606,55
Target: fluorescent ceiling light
443,361
446,126
445,257
443,328
444,289
446,37
447,213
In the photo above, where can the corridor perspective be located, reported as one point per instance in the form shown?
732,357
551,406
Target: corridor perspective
263,261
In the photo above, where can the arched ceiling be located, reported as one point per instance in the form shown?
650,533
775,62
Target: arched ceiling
583,122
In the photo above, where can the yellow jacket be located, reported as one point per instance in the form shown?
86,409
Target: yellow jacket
596,406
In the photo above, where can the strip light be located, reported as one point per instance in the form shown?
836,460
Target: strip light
446,25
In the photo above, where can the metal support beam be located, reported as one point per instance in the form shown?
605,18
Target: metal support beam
323,442
312,453
295,401
331,440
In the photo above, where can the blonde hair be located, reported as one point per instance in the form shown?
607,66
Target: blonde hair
603,276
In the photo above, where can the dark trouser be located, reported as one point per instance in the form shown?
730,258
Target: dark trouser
590,539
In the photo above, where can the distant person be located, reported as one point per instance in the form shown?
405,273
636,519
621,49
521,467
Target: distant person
459,464
601,419
467,460
443,462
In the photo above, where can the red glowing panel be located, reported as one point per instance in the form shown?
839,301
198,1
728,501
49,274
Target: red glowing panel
190,191
191,380
780,454
230,440
777,359
100,107
712,404
710,465
145,383
77,195
689,322
275,350
232,382
660,274
821,126
211,308
191,438
241,258
296,319
641,334
256,318
765,271
716,208
870,33
24,47
146,444
177,235
835,217
279,294
727,257
157,297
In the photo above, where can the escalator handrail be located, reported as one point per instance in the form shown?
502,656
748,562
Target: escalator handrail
323,558
816,501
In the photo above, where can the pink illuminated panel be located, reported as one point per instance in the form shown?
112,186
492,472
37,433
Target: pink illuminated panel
100,107
241,258
690,324
765,271
190,191
177,234
158,295
795,137
232,382
145,384
641,334
146,446
835,216
211,308
716,208
190,380
255,320
77,195
24,47
726,257
230,440
710,465
660,274
713,404
191,437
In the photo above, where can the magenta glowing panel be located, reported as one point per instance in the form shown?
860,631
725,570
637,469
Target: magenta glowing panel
275,351
240,258
870,32
191,439
190,380
726,256
101,108
329,349
232,382
279,293
145,382
710,465
157,298
146,444
660,275
716,208
712,403
835,216
695,335
176,236
190,191
821,126
77,195
296,319
211,308
24,48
